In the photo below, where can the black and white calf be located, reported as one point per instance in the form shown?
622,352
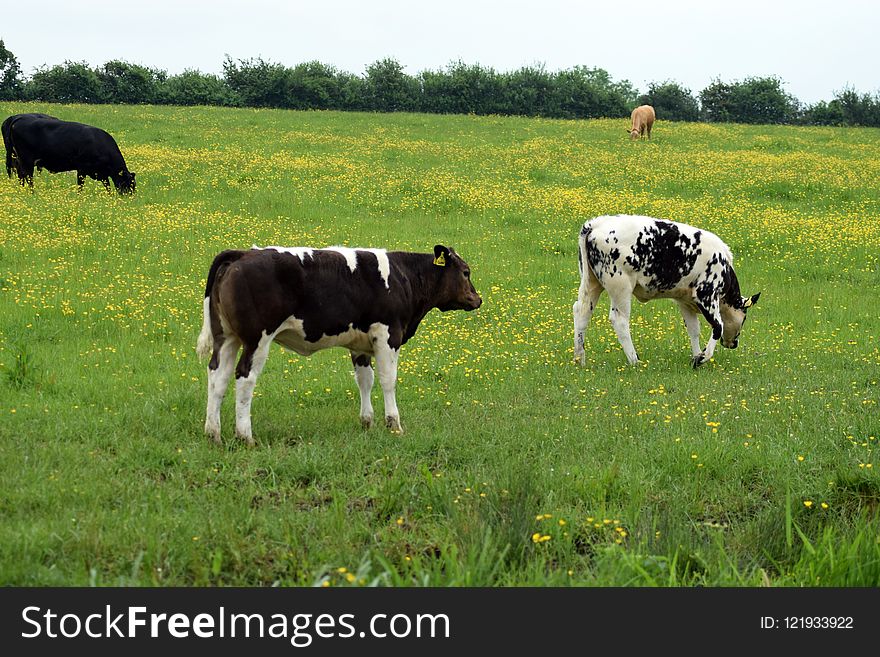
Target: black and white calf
652,259
369,301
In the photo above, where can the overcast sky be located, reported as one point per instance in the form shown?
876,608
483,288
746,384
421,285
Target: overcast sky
816,47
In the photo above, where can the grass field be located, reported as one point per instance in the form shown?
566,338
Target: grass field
517,467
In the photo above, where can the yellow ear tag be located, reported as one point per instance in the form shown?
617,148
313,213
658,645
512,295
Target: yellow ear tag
440,261
748,303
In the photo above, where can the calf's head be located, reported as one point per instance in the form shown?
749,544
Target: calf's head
733,317
456,291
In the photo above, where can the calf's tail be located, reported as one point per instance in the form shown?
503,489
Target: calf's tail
582,308
205,343
586,229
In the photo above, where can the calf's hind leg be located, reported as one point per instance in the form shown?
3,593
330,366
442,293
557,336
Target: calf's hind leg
588,297
219,372
253,358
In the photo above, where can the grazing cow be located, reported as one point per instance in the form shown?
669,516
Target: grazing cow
5,130
651,259
57,145
642,121
369,301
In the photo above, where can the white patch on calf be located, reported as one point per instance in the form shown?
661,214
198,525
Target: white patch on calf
350,256
300,251
291,335
384,264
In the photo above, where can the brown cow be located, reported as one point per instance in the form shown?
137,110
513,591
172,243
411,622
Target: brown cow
642,121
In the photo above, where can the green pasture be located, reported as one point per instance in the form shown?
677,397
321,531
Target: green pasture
516,467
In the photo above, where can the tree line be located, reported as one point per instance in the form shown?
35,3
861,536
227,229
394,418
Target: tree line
576,93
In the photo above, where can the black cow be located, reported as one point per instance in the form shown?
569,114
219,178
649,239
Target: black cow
368,301
57,145
5,130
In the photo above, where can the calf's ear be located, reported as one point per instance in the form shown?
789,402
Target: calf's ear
441,254
751,301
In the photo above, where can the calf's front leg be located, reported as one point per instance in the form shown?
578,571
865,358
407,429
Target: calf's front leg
692,324
363,374
712,313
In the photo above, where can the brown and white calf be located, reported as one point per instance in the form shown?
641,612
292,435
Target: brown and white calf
642,121
652,259
369,301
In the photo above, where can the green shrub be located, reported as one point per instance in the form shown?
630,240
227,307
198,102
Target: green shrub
71,82
671,102
196,88
754,100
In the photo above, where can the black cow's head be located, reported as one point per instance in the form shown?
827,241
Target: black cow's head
126,182
456,290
